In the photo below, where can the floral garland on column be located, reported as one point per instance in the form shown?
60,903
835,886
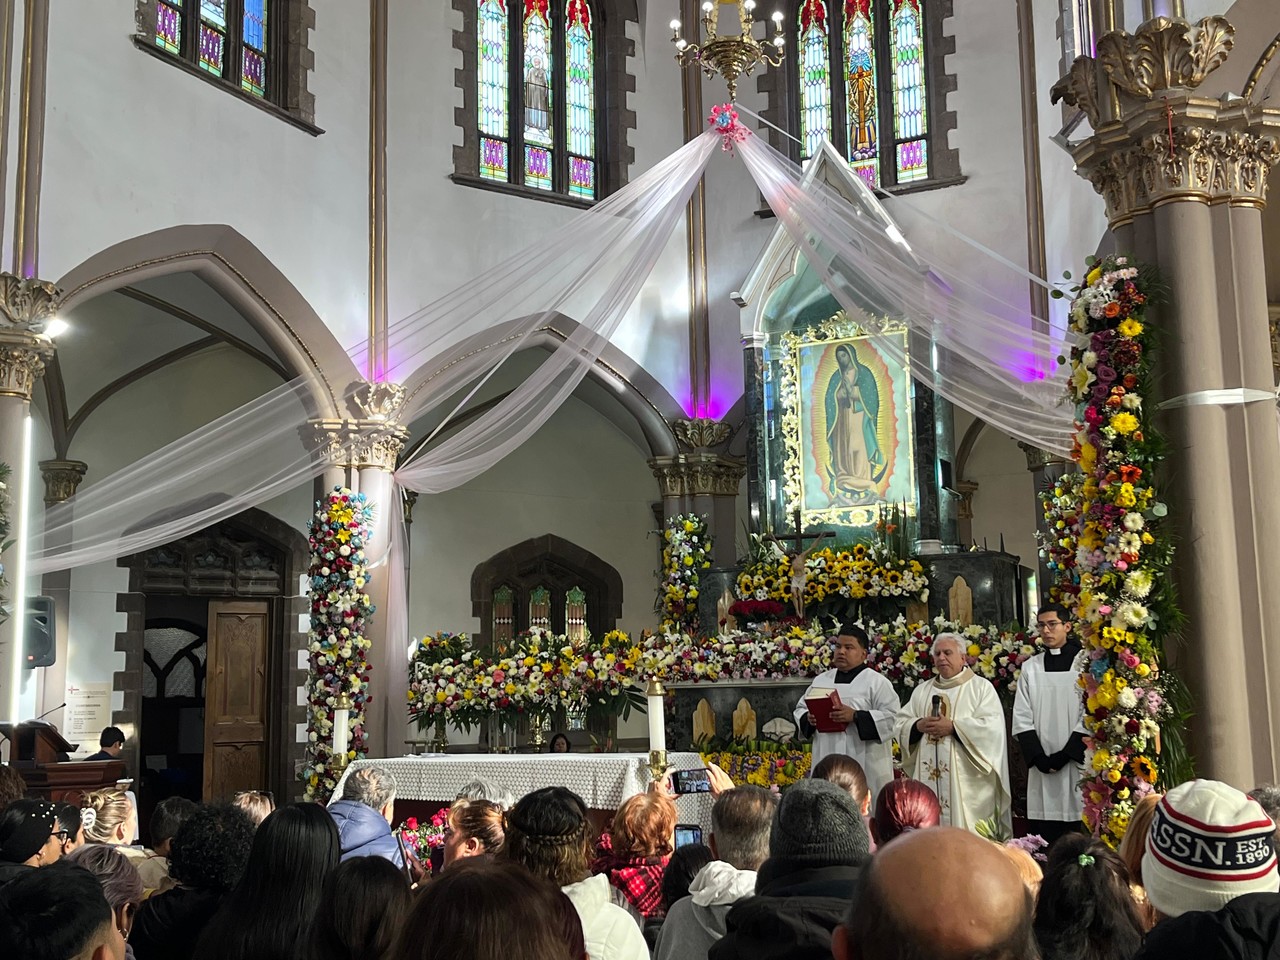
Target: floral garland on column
340,611
685,552
1109,547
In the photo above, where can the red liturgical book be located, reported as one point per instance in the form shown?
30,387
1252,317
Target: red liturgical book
820,703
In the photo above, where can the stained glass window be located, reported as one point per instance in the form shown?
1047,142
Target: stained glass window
861,82
814,62
169,26
227,39
575,614
536,105
504,615
540,607
910,112
253,66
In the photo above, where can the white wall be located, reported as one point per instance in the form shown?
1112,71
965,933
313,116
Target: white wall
1004,504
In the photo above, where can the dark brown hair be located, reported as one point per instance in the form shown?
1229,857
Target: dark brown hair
547,834
643,826
480,909
374,898
846,773
1085,909
478,819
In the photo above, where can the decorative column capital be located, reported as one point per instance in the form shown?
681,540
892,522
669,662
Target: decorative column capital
26,305
357,443
61,478
22,357
700,433
1038,459
698,474
965,489
1155,140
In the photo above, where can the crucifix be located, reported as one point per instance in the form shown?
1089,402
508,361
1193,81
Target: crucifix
799,578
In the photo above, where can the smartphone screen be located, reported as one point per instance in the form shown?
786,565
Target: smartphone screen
691,781
687,834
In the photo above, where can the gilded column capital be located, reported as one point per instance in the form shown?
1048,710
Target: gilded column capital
61,478
700,432
1037,458
698,474
22,357
965,490
26,305
357,443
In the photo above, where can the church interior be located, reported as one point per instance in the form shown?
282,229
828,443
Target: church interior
369,220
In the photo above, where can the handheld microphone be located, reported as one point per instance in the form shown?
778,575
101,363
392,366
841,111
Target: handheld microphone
936,710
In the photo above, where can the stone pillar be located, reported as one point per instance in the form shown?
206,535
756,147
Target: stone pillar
363,453
753,414
1184,178
25,307
1046,469
61,478
703,481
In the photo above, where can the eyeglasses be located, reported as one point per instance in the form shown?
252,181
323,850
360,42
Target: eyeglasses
1051,623
62,835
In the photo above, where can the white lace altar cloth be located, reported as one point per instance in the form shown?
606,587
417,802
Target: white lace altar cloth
602,780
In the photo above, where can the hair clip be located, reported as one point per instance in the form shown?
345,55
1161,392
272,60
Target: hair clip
1085,860
88,816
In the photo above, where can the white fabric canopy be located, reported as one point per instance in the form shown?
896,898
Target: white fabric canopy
982,353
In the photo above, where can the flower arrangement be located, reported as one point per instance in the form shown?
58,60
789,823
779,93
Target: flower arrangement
762,763
1109,547
685,551
861,571
340,610
422,838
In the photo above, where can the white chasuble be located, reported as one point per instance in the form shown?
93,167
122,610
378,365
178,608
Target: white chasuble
1049,704
968,770
867,739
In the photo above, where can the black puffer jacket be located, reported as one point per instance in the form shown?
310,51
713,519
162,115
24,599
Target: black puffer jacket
169,924
1247,928
792,915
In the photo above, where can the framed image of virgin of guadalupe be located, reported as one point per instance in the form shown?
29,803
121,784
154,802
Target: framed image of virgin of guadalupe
846,420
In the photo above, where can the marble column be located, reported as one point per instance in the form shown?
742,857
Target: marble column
362,454
25,307
1184,179
61,479
753,413
1045,469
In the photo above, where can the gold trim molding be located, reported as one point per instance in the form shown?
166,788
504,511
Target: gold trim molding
698,474
61,479
357,443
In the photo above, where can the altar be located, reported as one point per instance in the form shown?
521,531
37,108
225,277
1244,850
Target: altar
426,782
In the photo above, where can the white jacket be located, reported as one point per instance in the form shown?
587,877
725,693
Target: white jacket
694,924
610,932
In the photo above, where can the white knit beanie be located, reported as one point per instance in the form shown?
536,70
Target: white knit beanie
1208,844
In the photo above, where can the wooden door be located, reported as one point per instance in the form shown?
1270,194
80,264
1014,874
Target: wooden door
235,711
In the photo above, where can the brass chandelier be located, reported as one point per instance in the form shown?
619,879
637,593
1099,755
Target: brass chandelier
730,55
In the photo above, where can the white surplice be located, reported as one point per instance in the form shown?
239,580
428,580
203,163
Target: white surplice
969,770
868,691
1050,704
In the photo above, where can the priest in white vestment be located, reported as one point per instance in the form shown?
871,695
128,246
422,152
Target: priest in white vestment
953,738
869,710
1048,723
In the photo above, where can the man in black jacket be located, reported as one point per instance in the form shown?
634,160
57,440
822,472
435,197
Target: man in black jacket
817,847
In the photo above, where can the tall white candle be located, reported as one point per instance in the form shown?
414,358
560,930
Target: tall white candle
341,731
657,727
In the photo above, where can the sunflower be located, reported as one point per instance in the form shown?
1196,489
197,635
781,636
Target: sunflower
1144,768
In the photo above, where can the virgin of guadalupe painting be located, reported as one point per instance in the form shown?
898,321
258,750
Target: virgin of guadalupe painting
847,424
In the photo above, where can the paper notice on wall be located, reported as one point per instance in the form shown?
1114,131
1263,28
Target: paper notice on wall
88,712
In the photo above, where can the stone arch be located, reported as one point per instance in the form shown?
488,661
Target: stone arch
289,543
638,393
247,279
554,558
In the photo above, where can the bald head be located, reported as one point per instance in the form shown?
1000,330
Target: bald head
941,893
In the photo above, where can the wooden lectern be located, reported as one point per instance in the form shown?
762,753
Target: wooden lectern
34,751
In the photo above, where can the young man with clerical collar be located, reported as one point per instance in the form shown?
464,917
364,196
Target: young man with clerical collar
1048,723
868,706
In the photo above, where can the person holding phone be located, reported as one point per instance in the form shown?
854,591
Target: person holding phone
866,713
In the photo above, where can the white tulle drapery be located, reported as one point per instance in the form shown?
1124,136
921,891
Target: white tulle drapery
981,350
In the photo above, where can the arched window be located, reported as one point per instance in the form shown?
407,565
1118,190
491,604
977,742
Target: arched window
862,81
538,84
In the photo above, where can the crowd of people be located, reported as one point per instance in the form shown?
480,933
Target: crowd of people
823,871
